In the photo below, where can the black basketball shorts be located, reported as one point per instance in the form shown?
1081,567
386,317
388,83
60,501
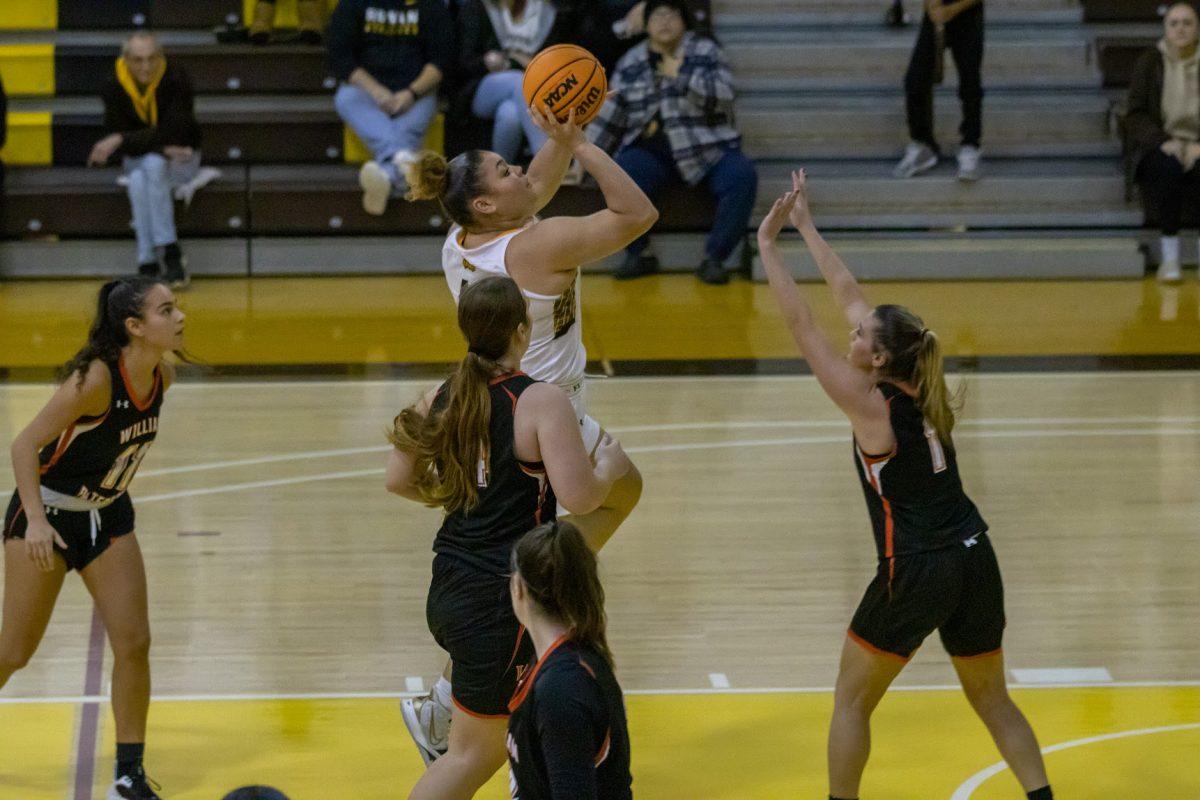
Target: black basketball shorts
75,527
956,591
470,615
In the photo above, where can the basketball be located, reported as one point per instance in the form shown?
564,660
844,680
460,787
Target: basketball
564,77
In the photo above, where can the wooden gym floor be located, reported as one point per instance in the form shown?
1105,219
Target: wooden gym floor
287,587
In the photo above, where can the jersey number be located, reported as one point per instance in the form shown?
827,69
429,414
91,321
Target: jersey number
124,468
936,452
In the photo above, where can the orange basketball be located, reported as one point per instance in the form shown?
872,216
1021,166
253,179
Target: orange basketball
564,77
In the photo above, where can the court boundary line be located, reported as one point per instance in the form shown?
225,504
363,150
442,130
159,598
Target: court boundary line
672,448
699,690
968,787
1000,422
400,382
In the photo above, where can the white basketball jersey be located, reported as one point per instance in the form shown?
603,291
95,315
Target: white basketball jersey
556,353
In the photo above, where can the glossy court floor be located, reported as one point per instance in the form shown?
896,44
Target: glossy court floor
287,588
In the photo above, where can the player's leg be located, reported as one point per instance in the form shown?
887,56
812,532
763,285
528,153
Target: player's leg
117,582
476,751
973,636
29,597
863,678
984,684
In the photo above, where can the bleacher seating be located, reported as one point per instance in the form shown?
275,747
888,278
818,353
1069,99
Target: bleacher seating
820,85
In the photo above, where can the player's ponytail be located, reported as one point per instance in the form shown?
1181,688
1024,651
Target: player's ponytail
454,184
914,355
118,301
447,445
562,576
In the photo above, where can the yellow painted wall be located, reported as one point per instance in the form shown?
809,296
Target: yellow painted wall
29,138
27,69
356,152
29,15
285,12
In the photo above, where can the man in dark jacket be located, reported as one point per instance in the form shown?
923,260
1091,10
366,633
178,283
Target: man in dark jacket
151,125
391,56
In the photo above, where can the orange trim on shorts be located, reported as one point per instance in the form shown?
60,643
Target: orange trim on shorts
995,652
864,644
475,714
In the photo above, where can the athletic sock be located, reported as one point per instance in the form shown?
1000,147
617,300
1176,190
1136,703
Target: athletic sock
1170,248
1043,793
129,758
442,693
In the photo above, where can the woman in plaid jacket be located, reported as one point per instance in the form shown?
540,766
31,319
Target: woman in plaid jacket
671,120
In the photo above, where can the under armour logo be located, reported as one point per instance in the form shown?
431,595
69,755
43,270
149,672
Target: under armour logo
974,540
122,404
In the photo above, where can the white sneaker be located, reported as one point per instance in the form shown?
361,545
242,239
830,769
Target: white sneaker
376,186
1168,272
969,167
403,159
918,158
428,724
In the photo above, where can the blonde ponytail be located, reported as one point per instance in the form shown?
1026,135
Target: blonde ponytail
938,405
915,356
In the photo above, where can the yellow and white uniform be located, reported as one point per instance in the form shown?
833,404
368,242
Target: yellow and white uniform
556,353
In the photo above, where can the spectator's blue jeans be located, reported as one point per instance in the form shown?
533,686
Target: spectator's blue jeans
501,98
383,135
149,181
732,181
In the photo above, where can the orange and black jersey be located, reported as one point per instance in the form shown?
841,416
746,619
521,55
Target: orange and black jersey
567,736
95,458
513,496
914,494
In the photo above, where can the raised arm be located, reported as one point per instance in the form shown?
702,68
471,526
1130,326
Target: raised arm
837,275
562,244
851,389
550,164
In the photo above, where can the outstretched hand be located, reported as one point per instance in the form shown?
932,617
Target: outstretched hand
802,212
773,223
569,134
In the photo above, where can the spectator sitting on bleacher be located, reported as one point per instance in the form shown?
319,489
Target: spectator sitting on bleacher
151,124
308,13
1163,128
391,56
672,119
498,39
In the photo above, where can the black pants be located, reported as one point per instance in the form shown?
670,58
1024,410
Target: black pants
964,38
1165,186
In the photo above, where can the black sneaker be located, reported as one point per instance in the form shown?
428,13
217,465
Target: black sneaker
176,273
151,269
134,787
711,271
638,266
